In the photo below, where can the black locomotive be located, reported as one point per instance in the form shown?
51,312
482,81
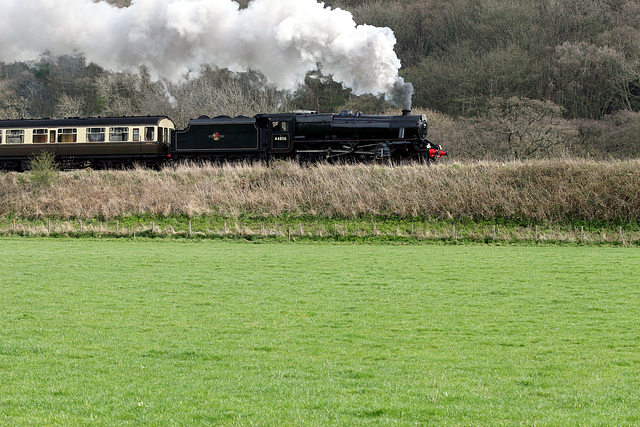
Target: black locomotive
307,137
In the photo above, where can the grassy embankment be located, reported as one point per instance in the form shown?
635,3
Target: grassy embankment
553,200
113,332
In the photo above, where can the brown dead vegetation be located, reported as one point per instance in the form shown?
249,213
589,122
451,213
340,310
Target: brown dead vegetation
540,191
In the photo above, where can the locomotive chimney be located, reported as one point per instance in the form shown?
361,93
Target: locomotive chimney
406,112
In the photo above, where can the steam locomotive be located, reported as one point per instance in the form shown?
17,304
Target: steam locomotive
104,142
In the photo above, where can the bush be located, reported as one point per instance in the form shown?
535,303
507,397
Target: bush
44,169
512,129
615,136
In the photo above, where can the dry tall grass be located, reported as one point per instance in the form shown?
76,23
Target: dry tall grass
551,190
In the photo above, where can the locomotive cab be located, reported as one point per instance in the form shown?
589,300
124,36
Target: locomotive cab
277,132
423,128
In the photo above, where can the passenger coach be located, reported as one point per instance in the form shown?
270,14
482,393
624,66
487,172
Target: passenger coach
86,142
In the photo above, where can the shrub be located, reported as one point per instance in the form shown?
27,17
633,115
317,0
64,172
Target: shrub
44,169
616,136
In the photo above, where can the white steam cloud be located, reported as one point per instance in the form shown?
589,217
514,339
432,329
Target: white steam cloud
284,39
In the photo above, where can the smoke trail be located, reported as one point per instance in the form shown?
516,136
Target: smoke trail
284,39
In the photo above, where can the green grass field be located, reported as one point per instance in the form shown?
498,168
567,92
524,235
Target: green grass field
174,332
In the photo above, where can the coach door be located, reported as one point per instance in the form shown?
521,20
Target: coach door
281,136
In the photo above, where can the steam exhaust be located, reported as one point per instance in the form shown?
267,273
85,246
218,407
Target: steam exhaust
174,39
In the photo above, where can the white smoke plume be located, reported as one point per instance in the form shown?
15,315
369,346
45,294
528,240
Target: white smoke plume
283,39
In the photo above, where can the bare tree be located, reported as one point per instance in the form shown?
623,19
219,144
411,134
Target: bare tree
69,106
594,80
117,94
218,92
517,128
11,106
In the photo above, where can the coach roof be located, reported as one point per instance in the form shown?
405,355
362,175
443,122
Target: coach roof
82,122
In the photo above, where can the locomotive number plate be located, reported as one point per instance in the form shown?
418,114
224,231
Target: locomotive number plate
280,142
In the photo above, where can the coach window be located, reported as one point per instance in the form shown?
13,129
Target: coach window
15,136
149,133
67,135
118,134
136,134
40,136
0,137
96,134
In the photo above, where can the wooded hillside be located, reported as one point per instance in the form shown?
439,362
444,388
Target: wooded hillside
498,78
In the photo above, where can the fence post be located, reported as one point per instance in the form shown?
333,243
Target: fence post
621,238
582,233
48,227
455,235
536,233
80,226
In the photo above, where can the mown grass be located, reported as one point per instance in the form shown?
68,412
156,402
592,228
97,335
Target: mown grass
166,332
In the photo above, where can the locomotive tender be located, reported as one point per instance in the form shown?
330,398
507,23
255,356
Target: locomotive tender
153,140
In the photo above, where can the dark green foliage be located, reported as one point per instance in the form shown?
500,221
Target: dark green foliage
321,94
53,78
582,54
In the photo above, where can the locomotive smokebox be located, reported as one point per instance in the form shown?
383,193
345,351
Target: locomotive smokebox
406,112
